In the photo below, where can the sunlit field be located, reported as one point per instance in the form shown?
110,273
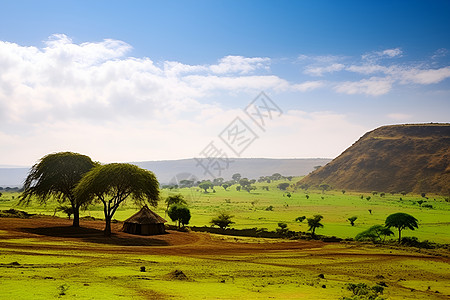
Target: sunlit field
56,263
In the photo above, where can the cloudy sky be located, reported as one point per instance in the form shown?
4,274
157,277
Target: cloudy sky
154,80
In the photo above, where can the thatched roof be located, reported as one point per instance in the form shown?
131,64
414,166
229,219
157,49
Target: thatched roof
145,216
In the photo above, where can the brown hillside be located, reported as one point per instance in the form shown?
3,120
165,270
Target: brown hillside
411,158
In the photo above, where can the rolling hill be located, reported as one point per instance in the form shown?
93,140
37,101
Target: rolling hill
411,158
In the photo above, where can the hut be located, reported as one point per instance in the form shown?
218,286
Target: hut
144,222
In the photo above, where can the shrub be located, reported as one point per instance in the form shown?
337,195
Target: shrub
223,220
352,220
363,291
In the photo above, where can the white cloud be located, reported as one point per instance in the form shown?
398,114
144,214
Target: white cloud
373,86
319,71
377,55
308,86
424,76
240,64
391,52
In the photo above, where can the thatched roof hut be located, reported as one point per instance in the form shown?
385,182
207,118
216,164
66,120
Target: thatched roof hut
144,222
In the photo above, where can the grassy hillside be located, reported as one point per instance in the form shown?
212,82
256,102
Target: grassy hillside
411,158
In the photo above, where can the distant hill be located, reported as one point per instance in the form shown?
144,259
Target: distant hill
12,177
252,168
411,158
170,170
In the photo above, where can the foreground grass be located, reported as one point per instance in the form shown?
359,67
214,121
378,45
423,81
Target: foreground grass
36,269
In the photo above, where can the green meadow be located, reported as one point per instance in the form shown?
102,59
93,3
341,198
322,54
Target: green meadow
253,209
38,267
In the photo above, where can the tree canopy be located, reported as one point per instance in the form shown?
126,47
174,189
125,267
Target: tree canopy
223,220
113,183
205,185
314,223
175,199
180,213
401,221
374,233
56,175
283,186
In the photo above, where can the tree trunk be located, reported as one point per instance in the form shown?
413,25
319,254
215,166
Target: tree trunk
107,230
76,216
399,235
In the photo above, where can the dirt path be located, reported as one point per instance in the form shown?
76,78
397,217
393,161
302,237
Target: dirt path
58,230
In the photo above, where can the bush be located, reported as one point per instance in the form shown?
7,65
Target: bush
363,291
223,220
414,242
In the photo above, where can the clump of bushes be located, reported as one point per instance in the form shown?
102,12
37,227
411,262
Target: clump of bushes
363,291
14,213
412,241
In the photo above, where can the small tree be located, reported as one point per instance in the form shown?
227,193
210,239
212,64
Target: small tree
343,192
282,230
314,223
223,220
180,213
300,219
352,220
175,199
324,187
111,184
374,233
401,221
205,185
236,177
283,186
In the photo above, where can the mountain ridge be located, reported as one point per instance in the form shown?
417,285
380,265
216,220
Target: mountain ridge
394,158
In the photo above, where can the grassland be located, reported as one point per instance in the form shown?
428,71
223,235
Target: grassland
58,263
249,209
44,258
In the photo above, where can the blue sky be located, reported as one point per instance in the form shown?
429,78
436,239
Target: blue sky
150,80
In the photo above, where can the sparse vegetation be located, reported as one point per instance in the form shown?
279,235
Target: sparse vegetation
223,220
401,221
314,223
352,220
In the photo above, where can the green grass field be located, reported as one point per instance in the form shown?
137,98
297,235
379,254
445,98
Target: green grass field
249,209
38,267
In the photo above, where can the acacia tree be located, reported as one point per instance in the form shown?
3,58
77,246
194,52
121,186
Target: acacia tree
401,221
314,223
113,183
56,175
223,220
